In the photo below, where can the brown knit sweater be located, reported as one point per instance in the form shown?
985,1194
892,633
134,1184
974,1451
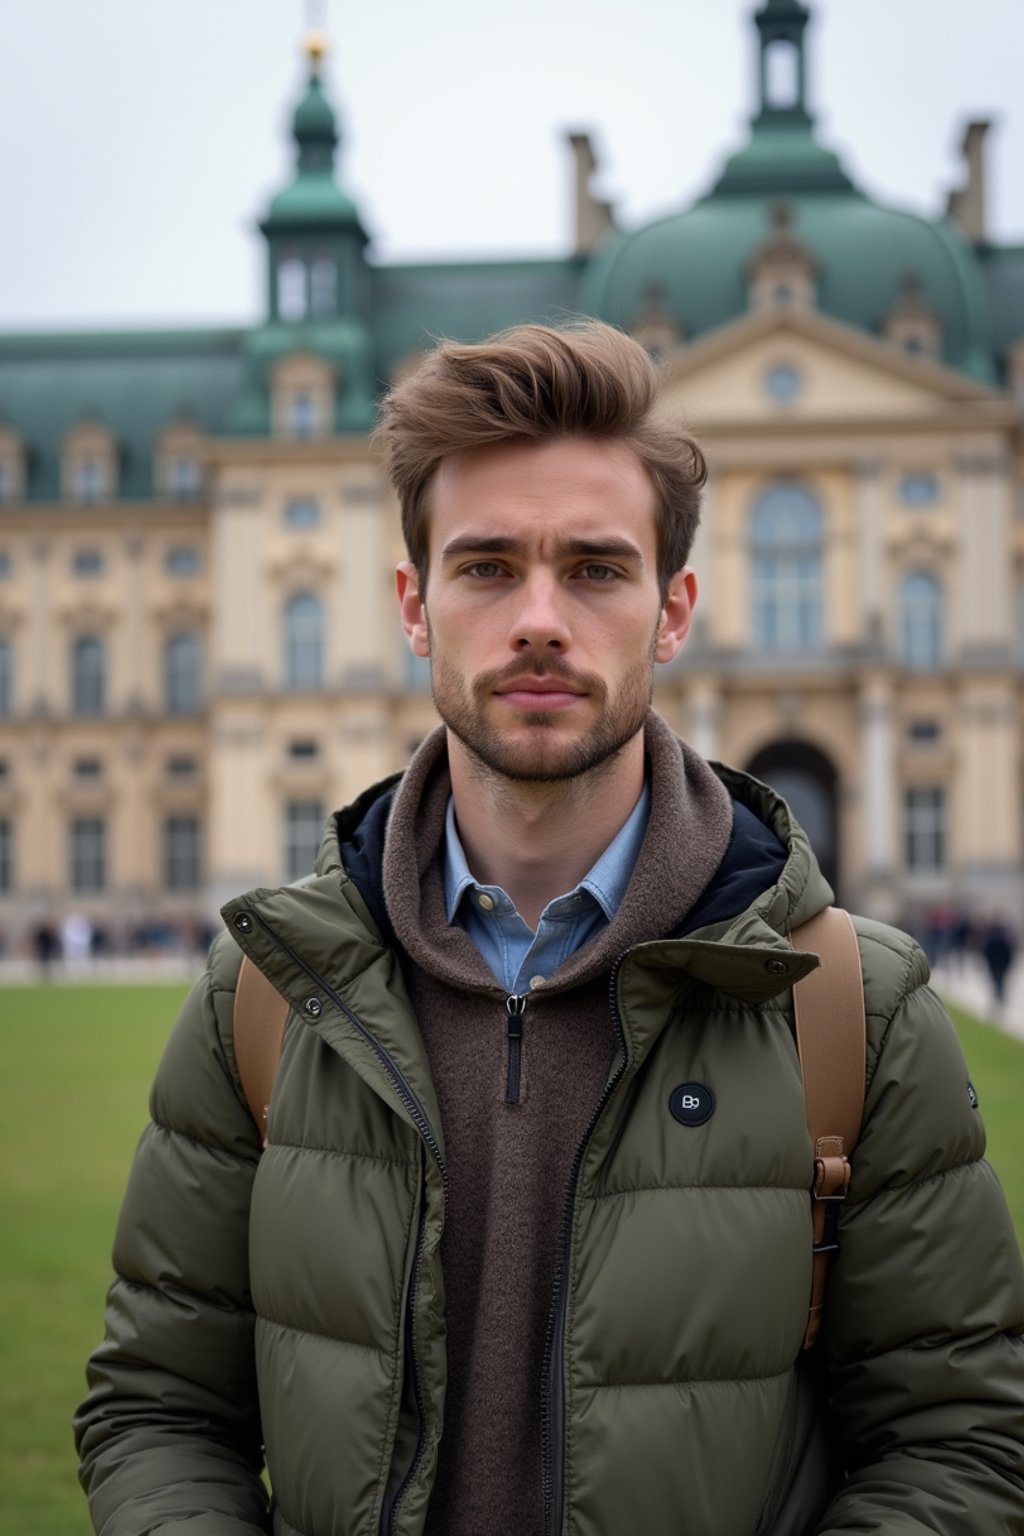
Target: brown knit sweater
509,1164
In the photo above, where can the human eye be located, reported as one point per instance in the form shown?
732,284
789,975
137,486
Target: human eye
598,571
482,570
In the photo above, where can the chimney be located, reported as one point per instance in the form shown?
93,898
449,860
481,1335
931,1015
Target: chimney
967,203
594,218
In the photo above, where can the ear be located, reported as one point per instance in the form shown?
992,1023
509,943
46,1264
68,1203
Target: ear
676,614
412,608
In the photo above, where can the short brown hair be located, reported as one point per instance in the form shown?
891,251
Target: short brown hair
531,383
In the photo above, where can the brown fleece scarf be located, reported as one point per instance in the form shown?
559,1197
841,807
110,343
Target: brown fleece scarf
686,838
509,1163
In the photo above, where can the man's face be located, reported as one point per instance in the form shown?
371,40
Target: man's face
543,617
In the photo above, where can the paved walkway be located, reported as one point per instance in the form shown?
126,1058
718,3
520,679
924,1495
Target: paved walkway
967,983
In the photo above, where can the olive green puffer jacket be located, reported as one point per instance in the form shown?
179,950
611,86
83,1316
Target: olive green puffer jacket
295,1298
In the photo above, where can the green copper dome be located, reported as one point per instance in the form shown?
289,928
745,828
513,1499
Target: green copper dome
313,121
697,261
313,198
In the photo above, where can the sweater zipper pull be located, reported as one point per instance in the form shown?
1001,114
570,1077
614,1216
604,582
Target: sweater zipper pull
515,1007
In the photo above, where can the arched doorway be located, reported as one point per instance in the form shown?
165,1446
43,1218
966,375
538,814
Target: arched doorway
808,781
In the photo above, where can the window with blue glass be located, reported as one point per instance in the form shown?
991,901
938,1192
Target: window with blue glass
5,565
303,829
182,560
919,490
87,562
303,512
303,641
921,620
88,675
183,673
787,553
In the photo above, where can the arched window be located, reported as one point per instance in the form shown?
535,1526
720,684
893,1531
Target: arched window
183,673
291,289
921,615
6,676
88,675
786,538
304,641
323,285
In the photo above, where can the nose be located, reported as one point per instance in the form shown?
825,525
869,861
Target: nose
539,622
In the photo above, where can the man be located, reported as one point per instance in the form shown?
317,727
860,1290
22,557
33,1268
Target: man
494,1272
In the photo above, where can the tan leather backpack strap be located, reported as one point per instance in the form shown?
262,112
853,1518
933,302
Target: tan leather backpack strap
831,1038
260,1016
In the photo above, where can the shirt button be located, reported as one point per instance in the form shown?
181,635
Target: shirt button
537,981
485,901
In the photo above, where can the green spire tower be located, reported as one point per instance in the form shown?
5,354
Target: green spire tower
315,237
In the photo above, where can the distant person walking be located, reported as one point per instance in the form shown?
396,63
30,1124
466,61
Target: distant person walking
46,945
998,948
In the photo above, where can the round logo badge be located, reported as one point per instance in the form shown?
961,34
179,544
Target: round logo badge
692,1104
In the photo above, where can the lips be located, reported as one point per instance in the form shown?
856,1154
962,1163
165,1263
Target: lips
539,693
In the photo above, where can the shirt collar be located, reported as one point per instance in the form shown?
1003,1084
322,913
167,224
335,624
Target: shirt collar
605,881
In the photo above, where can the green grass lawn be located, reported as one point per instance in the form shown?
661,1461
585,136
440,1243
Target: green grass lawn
75,1066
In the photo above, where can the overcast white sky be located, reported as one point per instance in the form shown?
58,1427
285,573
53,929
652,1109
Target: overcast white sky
142,138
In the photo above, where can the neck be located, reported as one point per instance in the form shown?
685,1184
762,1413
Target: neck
538,840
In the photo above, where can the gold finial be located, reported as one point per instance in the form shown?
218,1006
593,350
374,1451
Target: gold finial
315,48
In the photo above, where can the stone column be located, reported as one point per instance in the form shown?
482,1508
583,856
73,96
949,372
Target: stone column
702,558
986,572
703,714
41,698
879,789
240,639
869,521
132,674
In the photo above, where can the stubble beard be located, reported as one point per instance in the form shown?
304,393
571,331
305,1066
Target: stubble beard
545,759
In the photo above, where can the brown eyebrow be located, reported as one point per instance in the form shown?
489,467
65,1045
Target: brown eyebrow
501,544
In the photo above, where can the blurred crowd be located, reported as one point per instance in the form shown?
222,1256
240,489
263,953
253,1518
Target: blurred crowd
77,945
952,937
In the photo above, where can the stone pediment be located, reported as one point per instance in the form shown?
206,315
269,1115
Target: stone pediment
798,366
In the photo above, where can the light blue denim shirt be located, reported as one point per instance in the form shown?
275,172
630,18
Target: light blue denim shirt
520,958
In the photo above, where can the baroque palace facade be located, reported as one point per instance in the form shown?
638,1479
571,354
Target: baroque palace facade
199,654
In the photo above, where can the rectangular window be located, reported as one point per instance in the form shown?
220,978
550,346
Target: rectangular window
184,477
88,480
88,854
87,562
5,565
924,730
924,827
182,560
6,855
302,513
303,826
6,482
181,767
303,749
181,853
88,768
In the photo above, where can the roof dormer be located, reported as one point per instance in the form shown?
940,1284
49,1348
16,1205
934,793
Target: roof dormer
781,271
302,391
911,323
180,469
89,463
655,326
12,465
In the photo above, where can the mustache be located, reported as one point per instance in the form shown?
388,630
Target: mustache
540,666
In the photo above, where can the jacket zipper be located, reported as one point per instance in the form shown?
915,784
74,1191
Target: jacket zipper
516,1008
418,1115
553,1372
